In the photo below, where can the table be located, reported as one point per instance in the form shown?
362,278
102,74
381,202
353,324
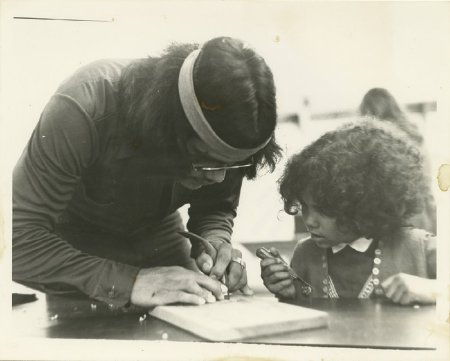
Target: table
352,323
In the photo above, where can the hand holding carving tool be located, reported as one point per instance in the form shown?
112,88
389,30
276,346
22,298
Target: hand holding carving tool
210,250
263,253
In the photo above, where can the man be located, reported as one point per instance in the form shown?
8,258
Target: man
118,149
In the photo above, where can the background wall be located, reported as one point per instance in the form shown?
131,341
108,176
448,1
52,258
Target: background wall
328,53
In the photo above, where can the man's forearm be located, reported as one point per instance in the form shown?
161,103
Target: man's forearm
46,262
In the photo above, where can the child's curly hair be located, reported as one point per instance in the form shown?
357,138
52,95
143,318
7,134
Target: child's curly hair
366,174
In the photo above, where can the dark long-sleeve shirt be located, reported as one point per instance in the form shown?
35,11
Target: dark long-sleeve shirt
77,169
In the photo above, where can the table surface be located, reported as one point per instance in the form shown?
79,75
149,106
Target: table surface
351,323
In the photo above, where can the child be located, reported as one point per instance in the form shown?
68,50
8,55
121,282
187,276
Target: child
356,187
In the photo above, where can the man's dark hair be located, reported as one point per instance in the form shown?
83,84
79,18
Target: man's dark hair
234,87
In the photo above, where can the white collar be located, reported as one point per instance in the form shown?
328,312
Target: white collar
361,245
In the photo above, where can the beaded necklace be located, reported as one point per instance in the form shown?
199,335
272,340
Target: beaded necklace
372,283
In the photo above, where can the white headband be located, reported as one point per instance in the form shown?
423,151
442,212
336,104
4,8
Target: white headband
197,119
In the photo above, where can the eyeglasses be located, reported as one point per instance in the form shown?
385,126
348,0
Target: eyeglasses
213,167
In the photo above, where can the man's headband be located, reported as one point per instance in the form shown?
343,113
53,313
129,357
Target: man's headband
197,119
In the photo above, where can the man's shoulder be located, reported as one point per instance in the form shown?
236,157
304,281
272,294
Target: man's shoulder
94,86
108,70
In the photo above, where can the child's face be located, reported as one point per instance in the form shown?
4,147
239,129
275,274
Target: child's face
324,230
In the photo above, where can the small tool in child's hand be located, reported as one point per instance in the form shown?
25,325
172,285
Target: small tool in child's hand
210,250
264,253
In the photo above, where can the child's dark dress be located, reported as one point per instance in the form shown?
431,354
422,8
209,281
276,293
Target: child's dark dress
345,274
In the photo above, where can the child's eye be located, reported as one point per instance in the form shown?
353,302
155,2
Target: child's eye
318,209
325,212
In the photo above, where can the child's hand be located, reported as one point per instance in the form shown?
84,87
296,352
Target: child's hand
405,289
276,277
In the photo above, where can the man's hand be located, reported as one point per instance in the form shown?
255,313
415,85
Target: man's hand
165,285
226,260
276,277
406,289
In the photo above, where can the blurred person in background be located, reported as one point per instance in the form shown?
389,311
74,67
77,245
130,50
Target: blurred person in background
381,104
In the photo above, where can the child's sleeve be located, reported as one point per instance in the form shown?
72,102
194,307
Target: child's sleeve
298,261
299,264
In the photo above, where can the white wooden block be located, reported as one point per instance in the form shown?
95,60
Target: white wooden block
241,317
